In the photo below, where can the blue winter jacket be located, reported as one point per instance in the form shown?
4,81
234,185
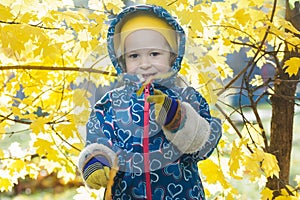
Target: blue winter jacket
116,129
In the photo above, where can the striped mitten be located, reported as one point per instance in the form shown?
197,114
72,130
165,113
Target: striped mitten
96,172
168,112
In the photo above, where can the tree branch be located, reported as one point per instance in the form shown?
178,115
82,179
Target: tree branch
38,26
52,68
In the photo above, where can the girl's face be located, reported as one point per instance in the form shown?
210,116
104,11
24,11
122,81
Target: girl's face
147,53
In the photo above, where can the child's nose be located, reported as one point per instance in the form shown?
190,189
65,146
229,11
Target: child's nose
145,62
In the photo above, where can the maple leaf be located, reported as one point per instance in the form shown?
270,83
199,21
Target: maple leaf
242,16
237,155
5,184
38,126
5,13
266,194
17,166
68,130
292,66
270,165
45,148
213,173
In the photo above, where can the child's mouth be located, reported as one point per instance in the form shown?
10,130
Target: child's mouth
146,76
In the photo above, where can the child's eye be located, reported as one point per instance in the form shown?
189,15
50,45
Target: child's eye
133,55
154,53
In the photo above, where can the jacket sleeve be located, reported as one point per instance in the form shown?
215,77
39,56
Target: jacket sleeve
99,134
199,133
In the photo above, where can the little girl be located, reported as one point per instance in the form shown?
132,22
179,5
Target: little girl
144,138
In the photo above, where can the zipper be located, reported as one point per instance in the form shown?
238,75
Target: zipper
146,143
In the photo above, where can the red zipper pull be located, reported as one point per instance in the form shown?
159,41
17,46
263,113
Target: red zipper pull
146,94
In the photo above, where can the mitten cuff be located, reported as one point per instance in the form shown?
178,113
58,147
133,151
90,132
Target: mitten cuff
94,150
194,133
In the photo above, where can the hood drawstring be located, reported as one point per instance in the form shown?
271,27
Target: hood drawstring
146,143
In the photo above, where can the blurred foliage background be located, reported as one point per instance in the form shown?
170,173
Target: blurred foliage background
54,66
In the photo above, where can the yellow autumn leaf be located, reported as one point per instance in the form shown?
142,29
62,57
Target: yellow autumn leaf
292,66
242,16
185,67
27,17
252,132
258,155
80,97
5,184
16,111
292,41
116,7
285,195
216,14
252,168
3,125
257,80
226,41
5,13
290,189
252,164
38,125
226,127
98,17
213,173
9,33
270,165
67,130
17,166
45,148
257,15
33,170
198,19
67,173
206,80
236,158
13,31
225,71
51,54
84,44
287,25
266,194
207,60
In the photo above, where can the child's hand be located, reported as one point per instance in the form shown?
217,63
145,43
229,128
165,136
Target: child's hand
150,79
96,172
166,108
